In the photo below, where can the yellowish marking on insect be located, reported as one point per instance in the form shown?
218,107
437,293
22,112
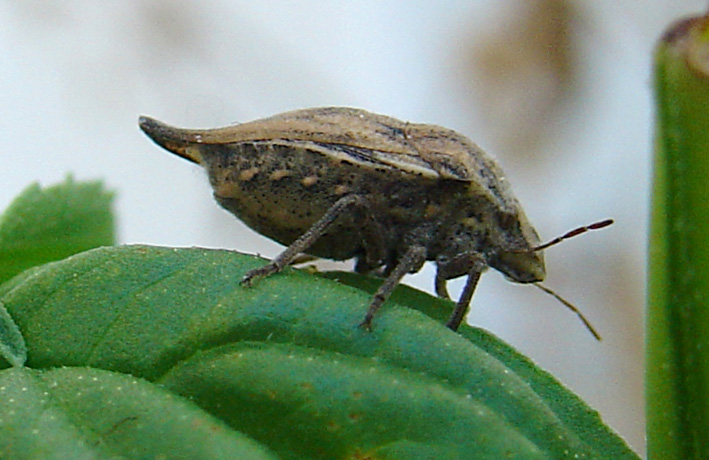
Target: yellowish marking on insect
279,174
225,188
469,221
248,174
282,214
341,189
431,211
309,181
193,152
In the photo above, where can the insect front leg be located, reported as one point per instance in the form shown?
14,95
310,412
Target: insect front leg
411,261
307,239
461,307
441,286
470,263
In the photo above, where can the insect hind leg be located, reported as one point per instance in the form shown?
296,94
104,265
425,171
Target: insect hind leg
307,239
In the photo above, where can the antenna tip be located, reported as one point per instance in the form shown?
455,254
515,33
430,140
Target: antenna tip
601,224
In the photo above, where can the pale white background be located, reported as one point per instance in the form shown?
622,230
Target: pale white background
76,75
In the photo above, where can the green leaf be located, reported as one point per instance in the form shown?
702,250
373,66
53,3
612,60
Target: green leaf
569,408
285,362
81,413
678,294
43,225
312,401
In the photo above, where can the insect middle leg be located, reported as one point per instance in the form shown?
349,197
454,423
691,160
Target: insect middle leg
412,260
341,206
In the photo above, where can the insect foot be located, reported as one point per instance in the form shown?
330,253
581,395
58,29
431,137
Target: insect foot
343,183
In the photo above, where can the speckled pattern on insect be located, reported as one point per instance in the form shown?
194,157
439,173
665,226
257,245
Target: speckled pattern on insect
343,183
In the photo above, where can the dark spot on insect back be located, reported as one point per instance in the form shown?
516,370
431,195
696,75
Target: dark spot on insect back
358,154
444,163
392,131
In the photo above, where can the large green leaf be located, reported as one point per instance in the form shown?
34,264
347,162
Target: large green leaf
82,413
678,297
568,407
341,406
285,363
48,224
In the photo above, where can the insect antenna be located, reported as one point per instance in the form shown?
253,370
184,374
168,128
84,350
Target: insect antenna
570,234
573,233
571,307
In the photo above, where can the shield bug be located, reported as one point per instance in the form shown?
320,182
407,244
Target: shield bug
343,183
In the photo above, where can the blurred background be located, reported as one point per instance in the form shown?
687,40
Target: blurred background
559,91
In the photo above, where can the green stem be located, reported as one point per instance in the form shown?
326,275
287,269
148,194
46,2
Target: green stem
678,298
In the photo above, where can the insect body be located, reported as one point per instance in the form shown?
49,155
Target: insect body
344,183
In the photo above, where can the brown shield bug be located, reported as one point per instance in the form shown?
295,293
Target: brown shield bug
343,183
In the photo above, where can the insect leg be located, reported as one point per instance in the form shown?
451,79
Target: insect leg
306,239
440,283
461,307
412,259
373,241
452,267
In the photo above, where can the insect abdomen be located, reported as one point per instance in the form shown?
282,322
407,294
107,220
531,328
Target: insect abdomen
280,188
